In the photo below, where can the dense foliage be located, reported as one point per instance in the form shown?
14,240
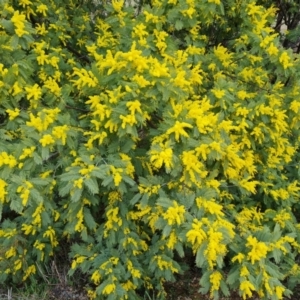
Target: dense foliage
140,132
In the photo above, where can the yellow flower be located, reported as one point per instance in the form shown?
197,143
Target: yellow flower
84,78
112,219
134,106
78,183
178,129
51,234
278,291
247,287
3,192
24,2
30,270
139,31
116,173
117,5
52,85
28,229
222,54
272,50
19,22
96,277
248,185
172,240
27,152
42,8
46,140
214,248
175,214
42,58
6,159
129,119
244,271
41,29
13,113
215,280
160,157
60,132
239,257
33,92
218,93
110,288
259,249
11,252
17,265
128,286
281,218
285,60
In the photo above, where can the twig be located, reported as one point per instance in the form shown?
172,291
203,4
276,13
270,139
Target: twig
43,275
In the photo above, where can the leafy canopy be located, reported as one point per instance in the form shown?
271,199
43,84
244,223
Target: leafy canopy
139,131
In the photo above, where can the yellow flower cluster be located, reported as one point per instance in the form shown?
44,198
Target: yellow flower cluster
19,23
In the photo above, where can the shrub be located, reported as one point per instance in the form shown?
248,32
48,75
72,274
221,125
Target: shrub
138,132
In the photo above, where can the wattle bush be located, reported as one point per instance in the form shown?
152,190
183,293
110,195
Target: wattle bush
140,132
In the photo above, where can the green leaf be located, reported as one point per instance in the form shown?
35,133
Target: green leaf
76,195
36,195
88,218
277,255
178,24
233,276
224,288
65,190
107,181
200,257
16,206
259,279
205,283
129,180
166,231
14,42
37,159
45,153
144,200
164,202
39,181
135,199
69,177
179,249
92,185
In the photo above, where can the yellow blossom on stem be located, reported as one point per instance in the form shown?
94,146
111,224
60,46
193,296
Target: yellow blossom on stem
42,8
96,277
60,132
110,288
285,60
258,251
215,280
196,235
13,113
175,214
46,140
3,191
78,183
163,156
27,152
116,173
178,129
19,23
34,92
50,233
246,288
